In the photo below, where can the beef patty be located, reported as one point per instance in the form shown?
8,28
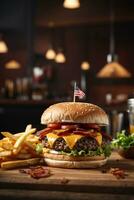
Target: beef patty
84,143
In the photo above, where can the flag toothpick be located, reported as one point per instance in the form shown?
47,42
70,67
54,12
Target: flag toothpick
74,98
78,92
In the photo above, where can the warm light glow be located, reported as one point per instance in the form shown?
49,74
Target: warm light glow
71,4
50,54
37,71
60,58
113,69
3,47
13,64
85,65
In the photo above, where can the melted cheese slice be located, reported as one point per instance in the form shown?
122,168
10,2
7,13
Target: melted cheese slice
70,140
51,137
99,138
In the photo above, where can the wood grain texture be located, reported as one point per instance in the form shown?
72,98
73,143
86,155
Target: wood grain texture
71,183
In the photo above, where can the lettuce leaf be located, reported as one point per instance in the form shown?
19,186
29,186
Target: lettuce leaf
123,141
106,151
39,148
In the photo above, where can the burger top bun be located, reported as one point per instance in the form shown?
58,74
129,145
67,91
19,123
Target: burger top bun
77,112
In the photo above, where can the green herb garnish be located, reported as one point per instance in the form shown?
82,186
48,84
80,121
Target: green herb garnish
39,148
123,141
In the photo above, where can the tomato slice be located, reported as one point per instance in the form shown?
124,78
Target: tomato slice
54,125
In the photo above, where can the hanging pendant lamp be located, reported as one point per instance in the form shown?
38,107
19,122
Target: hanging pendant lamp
85,65
71,4
13,64
113,68
3,45
60,57
50,54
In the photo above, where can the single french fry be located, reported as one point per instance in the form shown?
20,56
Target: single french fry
8,135
5,153
12,136
20,163
17,135
28,127
21,139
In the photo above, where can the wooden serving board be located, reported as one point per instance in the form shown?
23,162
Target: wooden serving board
71,183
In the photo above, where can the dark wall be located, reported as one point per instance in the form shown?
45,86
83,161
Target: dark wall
82,32
95,47
15,30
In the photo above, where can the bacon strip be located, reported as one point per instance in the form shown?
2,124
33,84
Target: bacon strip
86,133
82,130
118,173
37,172
42,133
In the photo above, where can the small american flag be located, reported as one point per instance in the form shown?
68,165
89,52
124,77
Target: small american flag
79,93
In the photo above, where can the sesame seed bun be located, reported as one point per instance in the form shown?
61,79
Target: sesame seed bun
77,112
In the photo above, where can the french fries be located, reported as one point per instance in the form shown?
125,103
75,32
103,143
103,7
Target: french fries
19,163
8,135
21,139
18,150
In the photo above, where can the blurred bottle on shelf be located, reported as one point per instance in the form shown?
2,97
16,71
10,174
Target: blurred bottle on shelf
131,114
9,89
18,88
108,98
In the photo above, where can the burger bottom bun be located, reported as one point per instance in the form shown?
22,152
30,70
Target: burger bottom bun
75,164
65,161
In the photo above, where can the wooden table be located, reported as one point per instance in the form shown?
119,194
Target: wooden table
71,184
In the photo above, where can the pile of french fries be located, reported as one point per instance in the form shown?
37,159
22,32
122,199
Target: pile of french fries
18,150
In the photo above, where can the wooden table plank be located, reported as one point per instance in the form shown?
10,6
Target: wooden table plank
70,181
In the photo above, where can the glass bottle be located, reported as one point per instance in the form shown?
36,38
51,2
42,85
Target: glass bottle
131,114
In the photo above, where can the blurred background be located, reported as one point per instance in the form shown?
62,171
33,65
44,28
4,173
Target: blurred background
47,45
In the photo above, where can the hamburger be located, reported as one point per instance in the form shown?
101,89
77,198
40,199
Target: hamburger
75,135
